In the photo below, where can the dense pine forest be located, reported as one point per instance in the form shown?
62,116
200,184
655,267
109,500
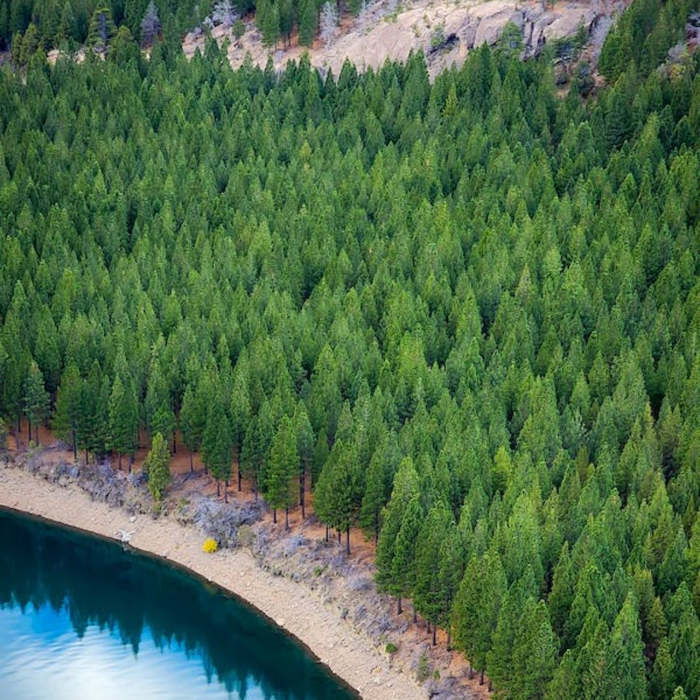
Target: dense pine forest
465,311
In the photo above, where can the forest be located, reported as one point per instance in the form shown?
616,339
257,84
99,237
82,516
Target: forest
466,312
65,24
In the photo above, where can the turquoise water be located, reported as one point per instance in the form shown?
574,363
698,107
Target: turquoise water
82,618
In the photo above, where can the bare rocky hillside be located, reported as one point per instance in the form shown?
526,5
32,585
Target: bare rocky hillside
445,30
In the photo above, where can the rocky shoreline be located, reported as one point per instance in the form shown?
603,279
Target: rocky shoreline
307,586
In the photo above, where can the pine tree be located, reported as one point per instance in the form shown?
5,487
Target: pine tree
625,677
336,499
428,596
268,21
662,675
404,490
534,652
240,419
476,608
67,413
305,447
216,443
283,467
308,20
157,467
123,419
36,399
101,29
403,565
374,497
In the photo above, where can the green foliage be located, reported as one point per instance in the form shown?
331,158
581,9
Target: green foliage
157,467
283,470
36,398
474,301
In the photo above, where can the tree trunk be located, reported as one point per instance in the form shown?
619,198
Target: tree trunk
471,671
399,609
427,626
347,539
226,492
286,518
191,462
274,515
326,533
120,461
19,423
481,677
131,462
239,477
29,430
302,487
449,638
434,635
174,443
415,616
218,488
340,534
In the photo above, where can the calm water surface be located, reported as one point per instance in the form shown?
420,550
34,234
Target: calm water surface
81,618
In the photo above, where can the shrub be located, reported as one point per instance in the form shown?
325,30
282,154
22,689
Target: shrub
391,648
210,546
423,671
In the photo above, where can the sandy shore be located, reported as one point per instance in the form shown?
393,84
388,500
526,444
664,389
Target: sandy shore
349,654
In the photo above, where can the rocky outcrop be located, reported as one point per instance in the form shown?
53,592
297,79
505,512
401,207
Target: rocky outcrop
443,30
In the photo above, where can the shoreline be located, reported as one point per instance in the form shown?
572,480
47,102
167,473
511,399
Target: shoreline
330,640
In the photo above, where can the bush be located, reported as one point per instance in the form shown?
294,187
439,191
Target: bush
210,546
391,648
423,672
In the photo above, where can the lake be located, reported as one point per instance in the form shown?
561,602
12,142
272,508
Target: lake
83,618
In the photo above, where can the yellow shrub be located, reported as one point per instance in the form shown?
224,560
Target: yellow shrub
209,546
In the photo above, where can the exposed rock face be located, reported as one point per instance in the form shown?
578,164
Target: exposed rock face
445,31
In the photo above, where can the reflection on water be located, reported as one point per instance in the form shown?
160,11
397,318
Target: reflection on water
81,618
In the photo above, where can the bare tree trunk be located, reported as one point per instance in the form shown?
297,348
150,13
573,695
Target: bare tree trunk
29,430
119,462
434,635
302,487
339,536
218,488
75,446
399,609
327,533
191,462
226,492
286,518
174,442
131,462
239,476
481,677
415,616
274,515
347,539
449,638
